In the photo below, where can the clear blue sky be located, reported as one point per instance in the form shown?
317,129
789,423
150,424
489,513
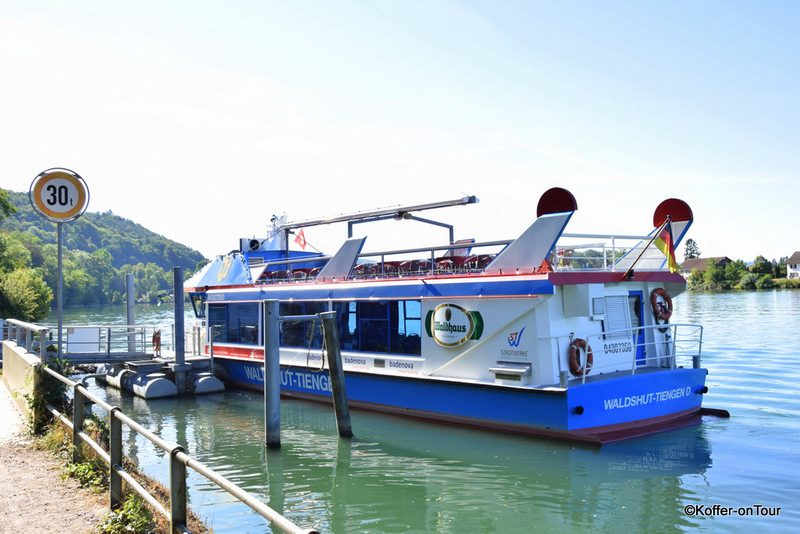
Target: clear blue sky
200,120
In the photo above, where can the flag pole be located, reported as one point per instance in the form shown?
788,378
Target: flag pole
655,235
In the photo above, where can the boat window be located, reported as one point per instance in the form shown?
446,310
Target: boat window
234,323
247,323
384,326
347,318
388,327
301,333
373,326
217,321
198,304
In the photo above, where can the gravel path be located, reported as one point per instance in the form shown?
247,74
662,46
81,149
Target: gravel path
33,498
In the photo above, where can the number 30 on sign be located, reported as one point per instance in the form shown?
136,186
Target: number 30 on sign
59,195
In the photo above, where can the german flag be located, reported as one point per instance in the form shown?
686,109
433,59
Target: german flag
666,245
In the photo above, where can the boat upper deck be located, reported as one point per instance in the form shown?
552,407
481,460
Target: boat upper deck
575,253
542,249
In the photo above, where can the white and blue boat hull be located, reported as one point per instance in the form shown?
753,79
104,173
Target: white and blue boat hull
595,412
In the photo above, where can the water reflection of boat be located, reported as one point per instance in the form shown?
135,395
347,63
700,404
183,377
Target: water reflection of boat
544,335
421,477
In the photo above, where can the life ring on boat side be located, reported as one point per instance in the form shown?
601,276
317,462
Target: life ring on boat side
662,304
575,357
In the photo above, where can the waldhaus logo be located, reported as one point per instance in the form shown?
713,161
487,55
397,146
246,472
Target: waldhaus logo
451,325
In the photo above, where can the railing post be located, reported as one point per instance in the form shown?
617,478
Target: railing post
177,490
115,457
272,374
43,345
77,422
180,368
337,375
563,379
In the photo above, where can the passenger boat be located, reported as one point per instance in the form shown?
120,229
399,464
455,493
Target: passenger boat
551,334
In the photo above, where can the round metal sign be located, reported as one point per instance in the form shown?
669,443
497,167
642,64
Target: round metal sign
59,195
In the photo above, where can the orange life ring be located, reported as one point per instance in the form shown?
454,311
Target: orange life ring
575,357
662,309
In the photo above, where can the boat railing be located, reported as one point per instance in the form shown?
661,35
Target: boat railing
605,252
666,346
573,252
458,258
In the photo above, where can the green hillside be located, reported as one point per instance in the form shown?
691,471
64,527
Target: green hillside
128,243
99,249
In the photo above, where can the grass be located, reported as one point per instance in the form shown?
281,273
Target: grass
134,515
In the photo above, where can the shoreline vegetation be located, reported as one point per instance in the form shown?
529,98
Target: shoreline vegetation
736,275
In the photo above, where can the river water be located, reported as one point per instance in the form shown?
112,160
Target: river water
399,475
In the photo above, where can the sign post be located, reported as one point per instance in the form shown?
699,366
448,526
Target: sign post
59,195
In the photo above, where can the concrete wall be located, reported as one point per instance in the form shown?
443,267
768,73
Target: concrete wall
18,365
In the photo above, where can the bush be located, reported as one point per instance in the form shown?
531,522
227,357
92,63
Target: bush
749,281
132,516
50,391
765,282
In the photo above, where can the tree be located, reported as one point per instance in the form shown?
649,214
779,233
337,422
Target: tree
6,207
24,296
762,266
735,270
692,251
715,276
13,255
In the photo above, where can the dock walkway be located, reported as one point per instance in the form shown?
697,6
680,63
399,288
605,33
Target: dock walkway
35,498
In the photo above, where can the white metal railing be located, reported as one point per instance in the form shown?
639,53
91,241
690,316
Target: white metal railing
23,333
664,346
107,340
601,252
110,339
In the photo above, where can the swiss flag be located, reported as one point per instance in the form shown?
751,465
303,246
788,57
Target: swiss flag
301,239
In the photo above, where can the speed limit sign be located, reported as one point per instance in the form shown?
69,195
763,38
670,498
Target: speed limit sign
59,195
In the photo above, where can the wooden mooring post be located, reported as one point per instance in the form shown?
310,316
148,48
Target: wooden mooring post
272,371
340,403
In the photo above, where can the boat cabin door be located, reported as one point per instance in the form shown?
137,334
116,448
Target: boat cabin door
636,304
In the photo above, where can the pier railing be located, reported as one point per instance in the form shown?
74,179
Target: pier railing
31,336
103,343
665,346
178,462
